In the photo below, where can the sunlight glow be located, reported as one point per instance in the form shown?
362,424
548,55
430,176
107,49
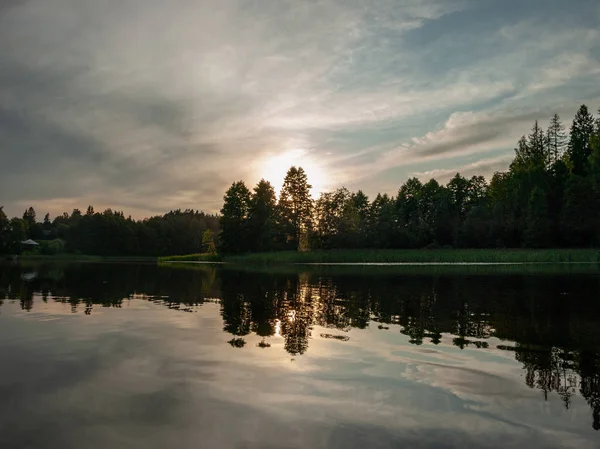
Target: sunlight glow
273,168
277,328
291,316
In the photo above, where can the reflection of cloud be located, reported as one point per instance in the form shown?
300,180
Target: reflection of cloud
137,374
146,106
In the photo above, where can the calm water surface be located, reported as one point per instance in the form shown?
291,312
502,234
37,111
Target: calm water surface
140,356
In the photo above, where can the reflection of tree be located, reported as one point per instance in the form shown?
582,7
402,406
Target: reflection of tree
248,303
550,319
296,316
589,369
236,314
563,372
528,310
107,285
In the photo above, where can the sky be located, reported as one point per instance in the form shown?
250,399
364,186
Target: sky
146,105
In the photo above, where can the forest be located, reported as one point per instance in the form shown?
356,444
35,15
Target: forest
548,198
109,233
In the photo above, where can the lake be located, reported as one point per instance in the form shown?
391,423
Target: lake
141,356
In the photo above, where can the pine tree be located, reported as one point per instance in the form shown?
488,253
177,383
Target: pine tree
295,205
459,192
234,237
29,217
579,148
537,147
47,222
263,217
556,138
522,155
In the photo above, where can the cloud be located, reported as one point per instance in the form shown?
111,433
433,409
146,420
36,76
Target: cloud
483,167
150,106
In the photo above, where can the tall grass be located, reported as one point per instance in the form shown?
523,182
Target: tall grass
422,256
368,256
198,257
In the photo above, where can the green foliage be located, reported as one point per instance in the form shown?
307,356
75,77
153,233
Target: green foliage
235,234
110,233
208,242
52,247
198,257
264,220
339,220
537,233
33,229
416,256
549,197
579,149
295,206
594,159
16,235
29,217
556,139
580,212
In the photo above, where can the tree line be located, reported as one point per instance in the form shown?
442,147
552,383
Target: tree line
110,233
549,197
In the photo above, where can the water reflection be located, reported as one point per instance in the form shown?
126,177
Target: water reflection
549,322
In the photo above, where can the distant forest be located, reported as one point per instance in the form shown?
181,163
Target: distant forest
549,197
109,233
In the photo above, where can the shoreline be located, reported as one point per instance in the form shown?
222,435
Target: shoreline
402,256
425,257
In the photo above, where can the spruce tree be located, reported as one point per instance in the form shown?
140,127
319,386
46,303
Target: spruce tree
234,237
556,139
263,217
580,149
295,205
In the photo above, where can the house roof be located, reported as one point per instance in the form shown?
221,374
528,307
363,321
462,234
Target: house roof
29,242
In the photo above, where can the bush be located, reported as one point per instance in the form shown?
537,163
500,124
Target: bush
52,247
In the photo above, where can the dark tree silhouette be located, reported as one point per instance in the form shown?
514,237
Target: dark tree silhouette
234,236
295,206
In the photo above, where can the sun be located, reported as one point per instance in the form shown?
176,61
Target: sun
274,168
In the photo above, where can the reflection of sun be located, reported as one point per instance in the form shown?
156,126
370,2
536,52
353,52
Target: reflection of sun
274,168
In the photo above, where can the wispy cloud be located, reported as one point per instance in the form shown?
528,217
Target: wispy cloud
146,106
483,167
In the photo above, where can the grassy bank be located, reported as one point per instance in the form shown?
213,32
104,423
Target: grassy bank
547,256
422,256
199,257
